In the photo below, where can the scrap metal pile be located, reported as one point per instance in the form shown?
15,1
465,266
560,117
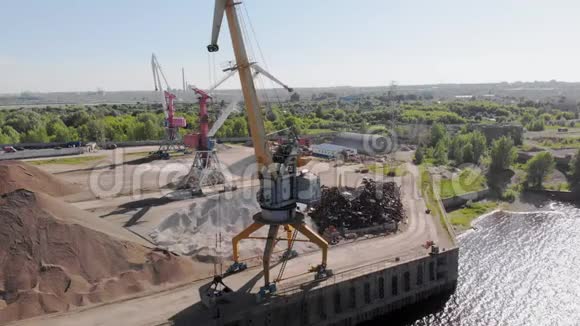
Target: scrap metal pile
371,204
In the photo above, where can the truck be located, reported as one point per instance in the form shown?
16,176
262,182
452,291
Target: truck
9,149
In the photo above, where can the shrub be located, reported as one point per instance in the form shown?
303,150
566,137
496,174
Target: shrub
509,195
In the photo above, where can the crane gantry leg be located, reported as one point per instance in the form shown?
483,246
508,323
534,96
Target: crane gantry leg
289,253
268,249
237,266
314,238
271,241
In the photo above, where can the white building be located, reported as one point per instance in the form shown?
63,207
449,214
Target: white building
331,150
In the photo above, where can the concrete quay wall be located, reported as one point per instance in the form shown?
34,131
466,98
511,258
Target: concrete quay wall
358,299
458,201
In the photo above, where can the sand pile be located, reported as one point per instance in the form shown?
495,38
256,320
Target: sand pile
20,175
51,260
192,231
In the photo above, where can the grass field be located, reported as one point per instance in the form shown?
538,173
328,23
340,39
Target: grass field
425,184
463,217
466,181
133,154
69,160
316,131
555,127
397,169
570,142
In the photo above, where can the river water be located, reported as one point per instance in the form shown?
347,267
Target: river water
515,269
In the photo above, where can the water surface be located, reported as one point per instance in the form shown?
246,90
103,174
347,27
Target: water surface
515,269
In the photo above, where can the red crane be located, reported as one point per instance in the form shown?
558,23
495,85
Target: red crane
203,139
172,123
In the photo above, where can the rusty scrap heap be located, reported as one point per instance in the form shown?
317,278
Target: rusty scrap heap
371,204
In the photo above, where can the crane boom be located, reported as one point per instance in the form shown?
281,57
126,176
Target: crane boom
222,118
221,81
218,17
255,119
230,108
157,71
260,70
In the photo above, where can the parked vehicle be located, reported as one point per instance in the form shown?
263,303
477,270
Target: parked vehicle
9,149
72,144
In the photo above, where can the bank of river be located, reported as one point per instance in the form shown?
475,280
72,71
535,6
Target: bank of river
514,269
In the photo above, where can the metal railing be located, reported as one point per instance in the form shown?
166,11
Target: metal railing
352,273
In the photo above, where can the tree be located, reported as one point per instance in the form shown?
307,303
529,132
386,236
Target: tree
419,155
456,146
37,135
536,125
150,130
479,144
438,132
11,135
294,97
239,127
77,118
538,168
271,116
64,134
440,153
503,154
319,112
96,130
59,132
23,121
339,114
575,172
468,156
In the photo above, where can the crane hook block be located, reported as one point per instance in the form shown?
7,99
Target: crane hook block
213,48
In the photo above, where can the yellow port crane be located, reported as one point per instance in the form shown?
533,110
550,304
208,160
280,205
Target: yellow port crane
281,185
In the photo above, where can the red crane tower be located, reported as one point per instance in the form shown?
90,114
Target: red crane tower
206,170
172,124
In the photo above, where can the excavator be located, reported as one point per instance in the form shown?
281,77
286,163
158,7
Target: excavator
282,186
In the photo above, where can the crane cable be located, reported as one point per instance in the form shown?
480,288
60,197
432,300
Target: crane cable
254,38
212,76
262,57
287,257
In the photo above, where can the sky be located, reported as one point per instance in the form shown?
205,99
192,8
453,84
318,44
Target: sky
68,45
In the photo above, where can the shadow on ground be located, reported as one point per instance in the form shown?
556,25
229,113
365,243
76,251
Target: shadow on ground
199,314
143,205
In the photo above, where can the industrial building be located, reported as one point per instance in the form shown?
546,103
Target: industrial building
367,144
331,150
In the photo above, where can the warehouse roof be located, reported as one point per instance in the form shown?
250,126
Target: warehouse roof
330,147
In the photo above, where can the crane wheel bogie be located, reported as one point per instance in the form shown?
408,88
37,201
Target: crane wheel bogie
236,268
322,273
289,254
265,291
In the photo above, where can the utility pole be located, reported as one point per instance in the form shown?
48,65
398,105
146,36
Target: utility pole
183,79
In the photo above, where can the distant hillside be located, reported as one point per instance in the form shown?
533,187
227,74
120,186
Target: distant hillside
552,90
